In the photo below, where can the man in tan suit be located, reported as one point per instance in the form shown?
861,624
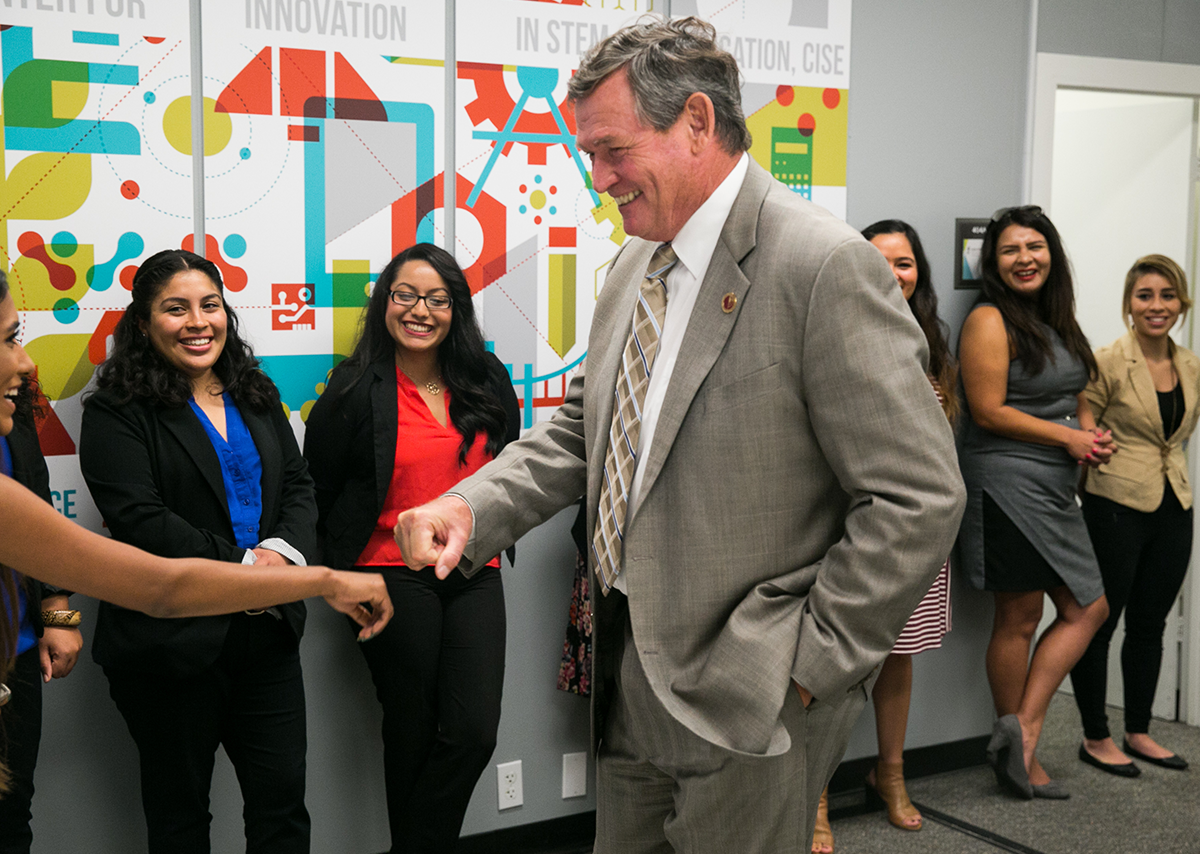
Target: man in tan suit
766,509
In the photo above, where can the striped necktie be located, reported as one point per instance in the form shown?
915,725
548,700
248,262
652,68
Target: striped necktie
632,380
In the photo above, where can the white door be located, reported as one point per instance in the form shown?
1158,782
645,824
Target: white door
1121,187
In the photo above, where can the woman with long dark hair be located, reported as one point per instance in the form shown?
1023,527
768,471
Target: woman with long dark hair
187,453
1139,508
1025,363
419,405
37,542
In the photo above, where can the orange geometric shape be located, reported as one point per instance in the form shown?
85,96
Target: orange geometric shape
235,277
98,343
52,435
250,91
492,101
409,210
352,97
301,79
562,236
304,133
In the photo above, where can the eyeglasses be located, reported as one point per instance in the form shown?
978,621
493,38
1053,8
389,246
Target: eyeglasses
433,302
1031,210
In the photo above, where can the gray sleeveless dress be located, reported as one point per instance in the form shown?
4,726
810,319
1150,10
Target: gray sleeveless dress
1034,485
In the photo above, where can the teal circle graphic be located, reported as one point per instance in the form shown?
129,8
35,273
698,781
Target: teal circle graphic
149,98
66,310
523,209
234,246
553,210
64,244
245,153
537,179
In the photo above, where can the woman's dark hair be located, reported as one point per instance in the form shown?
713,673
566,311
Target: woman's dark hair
462,357
8,601
135,369
1053,304
924,305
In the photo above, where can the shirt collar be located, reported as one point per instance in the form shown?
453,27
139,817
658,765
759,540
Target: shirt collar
695,242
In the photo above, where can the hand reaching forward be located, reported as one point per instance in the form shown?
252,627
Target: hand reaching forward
434,534
364,598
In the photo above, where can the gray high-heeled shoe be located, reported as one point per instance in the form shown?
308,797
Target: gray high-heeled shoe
1006,755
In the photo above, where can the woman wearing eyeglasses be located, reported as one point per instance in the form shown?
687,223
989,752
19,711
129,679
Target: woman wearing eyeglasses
1024,363
418,406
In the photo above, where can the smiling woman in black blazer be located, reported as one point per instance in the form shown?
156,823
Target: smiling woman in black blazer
418,406
187,453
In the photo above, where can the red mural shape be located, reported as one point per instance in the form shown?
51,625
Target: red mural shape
235,277
492,102
409,210
353,98
302,82
831,98
32,246
250,91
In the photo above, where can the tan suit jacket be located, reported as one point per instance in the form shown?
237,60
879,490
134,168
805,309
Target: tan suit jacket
1123,399
801,491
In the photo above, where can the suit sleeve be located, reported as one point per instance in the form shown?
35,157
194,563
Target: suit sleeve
532,479
122,473
296,521
881,429
327,435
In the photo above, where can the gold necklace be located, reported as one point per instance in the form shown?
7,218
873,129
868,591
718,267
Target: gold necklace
433,386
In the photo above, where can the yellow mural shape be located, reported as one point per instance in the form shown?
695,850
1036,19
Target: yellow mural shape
63,364
34,281
829,148
67,98
177,126
63,182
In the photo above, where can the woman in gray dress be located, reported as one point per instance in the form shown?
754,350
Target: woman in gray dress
1024,363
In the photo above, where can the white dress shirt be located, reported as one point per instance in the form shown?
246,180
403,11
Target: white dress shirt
693,245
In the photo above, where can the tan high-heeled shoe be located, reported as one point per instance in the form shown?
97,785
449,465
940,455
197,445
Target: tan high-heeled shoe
889,785
822,832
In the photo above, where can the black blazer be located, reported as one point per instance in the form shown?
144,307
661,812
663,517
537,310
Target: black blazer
350,444
156,480
29,470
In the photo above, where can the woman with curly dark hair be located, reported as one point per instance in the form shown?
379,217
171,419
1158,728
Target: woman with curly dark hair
188,453
1025,363
418,406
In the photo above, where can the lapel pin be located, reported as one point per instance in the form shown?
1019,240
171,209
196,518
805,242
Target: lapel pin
728,302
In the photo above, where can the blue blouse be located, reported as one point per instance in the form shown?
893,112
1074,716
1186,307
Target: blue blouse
241,470
26,636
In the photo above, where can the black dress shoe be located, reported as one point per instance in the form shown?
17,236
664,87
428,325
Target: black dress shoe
1127,769
1174,762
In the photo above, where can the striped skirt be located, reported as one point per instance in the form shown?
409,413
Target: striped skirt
930,622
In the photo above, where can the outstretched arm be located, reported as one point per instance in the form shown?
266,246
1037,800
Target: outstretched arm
36,541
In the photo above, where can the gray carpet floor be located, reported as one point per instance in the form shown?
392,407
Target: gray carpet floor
1157,813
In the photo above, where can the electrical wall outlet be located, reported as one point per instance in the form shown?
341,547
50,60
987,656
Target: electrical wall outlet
511,792
574,775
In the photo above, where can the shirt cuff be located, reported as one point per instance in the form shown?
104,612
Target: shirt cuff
276,544
469,548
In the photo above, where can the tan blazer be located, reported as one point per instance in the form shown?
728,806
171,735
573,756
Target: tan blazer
1123,400
802,489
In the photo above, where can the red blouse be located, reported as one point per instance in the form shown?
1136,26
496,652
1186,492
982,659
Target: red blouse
426,466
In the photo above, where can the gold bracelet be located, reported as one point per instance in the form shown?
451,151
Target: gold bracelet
61,619
5,693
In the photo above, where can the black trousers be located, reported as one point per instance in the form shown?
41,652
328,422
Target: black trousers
1143,559
21,724
438,670
251,701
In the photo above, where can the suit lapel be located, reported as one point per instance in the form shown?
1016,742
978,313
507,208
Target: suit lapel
1188,373
269,453
1143,383
710,325
384,413
183,424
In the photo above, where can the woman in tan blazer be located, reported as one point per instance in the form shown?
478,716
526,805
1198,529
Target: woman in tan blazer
1138,507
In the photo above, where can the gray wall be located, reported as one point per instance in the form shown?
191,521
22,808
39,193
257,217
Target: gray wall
936,132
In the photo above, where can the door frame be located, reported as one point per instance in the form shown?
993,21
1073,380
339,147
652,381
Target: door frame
1055,71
